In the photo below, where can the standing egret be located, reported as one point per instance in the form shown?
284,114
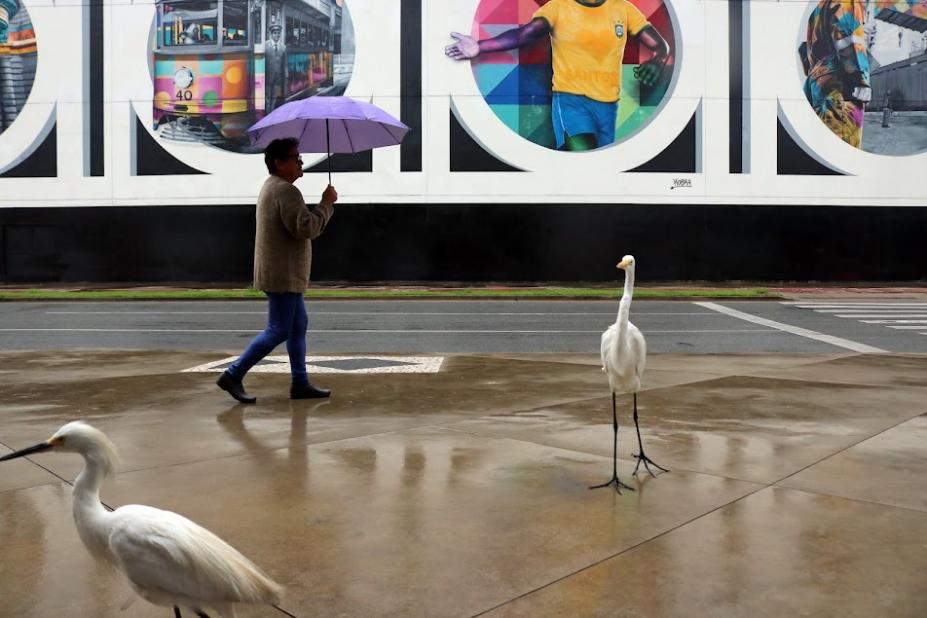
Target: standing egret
169,560
624,354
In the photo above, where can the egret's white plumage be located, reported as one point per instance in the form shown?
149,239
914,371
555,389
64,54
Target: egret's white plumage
623,348
624,355
168,559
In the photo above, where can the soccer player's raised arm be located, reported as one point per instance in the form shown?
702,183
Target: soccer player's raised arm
467,47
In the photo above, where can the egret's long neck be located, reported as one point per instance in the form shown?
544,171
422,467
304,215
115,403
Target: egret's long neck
624,306
89,514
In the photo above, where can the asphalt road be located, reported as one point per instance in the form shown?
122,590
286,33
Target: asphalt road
473,326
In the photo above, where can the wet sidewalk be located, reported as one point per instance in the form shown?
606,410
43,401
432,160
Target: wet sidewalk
797,484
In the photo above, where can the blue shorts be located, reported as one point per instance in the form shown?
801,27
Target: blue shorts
574,114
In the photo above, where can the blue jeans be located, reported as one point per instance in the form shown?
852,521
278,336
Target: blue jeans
286,321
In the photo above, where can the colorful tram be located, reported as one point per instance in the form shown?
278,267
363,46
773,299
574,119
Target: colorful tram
220,65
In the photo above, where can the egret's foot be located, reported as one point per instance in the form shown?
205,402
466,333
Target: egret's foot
617,483
177,612
202,614
647,461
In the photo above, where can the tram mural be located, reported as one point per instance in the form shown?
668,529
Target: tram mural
221,65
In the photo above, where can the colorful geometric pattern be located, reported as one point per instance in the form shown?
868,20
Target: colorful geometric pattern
221,84
517,83
905,13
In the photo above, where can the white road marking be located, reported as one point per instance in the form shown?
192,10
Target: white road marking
807,305
795,330
365,331
126,330
858,316
863,309
281,364
885,313
340,313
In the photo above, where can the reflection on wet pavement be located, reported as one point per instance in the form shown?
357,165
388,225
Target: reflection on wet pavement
455,493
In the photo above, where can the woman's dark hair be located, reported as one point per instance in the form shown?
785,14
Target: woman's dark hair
278,150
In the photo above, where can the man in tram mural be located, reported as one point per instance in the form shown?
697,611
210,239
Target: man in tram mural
275,67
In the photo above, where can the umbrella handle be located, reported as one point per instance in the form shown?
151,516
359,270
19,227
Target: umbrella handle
328,150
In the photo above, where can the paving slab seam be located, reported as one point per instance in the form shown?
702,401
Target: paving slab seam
619,553
606,396
846,448
768,376
59,477
578,452
35,463
860,500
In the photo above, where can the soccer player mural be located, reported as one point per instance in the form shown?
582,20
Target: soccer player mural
582,100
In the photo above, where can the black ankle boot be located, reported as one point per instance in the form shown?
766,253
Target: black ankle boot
308,391
234,388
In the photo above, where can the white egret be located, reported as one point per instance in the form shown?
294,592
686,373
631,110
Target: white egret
169,560
624,354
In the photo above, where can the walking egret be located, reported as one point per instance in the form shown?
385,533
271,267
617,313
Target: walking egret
624,354
169,560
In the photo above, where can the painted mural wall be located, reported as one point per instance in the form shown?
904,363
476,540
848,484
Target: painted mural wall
552,101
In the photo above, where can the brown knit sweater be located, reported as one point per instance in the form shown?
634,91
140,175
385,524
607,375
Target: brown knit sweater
283,239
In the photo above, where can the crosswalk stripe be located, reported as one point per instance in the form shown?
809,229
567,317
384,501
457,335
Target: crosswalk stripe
806,303
884,309
881,315
882,304
899,316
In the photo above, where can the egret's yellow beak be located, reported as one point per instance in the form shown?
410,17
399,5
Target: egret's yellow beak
623,264
38,448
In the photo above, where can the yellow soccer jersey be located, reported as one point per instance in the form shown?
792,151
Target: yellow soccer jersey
588,45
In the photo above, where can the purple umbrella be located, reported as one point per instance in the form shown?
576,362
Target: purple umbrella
329,125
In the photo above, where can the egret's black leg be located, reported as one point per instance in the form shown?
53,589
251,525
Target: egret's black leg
641,457
177,612
614,480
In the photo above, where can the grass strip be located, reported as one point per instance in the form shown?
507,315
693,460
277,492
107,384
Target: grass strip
388,293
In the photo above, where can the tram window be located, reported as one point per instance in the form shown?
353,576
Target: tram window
235,22
289,39
190,22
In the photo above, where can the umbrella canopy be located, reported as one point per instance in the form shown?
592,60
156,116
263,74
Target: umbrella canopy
330,125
